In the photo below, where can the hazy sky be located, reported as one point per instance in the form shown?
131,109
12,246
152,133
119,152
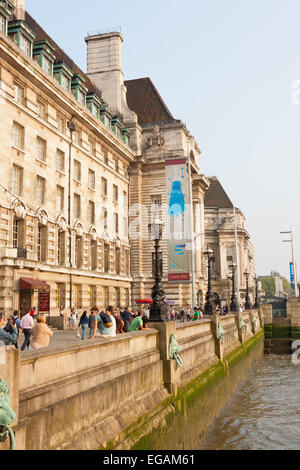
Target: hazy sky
226,68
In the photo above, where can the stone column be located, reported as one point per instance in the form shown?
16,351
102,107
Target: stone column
171,371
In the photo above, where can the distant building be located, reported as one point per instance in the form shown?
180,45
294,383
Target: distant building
220,236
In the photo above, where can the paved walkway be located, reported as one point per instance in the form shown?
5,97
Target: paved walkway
59,338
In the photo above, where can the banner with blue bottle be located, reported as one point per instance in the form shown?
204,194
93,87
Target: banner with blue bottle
178,222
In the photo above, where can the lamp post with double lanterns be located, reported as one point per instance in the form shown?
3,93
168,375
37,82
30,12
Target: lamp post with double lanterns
234,302
209,305
158,309
248,301
257,298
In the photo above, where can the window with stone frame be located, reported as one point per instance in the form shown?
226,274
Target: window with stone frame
91,212
60,295
115,193
60,160
3,22
117,297
60,196
19,93
47,65
17,180
18,136
61,124
25,45
41,149
41,109
106,258
116,217
104,186
229,258
40,190
104,223
77,170
77,206
77,296
118,261
92,147
65,82
61,248
92,179
42,240
93,296
78,252
94,255
106,296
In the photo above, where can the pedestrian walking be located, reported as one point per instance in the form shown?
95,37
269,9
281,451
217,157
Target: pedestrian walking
94,319
73,318
182,314
40,335
26,325
83,323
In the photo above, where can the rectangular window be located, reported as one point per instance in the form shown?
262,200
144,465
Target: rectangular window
41,149
78,137
25,45
104,218
60,192
2,24
61,126
116,164
40,190
115,193
77,170
77,204
92,147
18,136
118,262
60,160
95,110
105,155
17,177
16,233
47,65
104,186
81,97
19,93
116,223
61,296
125,225
93,296
41,110
91,212
65,82
92,179
78,252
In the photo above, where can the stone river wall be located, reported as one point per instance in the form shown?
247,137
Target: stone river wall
126,392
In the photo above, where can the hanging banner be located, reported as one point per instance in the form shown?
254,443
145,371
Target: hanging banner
178,220
292,276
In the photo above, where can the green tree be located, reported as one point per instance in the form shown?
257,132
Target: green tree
268,285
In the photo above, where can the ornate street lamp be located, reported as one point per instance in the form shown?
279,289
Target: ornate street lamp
234,302
158,309
248,301
209,305
257,298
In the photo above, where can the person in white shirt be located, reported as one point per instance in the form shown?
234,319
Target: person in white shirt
26,326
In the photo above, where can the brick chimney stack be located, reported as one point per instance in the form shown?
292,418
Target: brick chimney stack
20,8
104,68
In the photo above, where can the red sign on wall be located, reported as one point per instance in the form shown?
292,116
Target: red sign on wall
176,277
44,302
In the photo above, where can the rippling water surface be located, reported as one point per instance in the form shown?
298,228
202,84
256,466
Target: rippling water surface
265,414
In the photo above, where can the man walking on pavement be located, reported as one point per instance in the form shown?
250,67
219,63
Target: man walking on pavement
26,325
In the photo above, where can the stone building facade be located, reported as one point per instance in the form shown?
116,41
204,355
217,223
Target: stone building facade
83,171
64,227
220,237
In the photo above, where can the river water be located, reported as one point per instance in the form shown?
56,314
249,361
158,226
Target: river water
265,412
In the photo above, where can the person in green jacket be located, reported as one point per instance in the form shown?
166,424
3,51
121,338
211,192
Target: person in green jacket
137,324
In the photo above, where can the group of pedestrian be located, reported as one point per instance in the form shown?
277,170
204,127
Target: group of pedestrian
36,334
189,314
111,322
